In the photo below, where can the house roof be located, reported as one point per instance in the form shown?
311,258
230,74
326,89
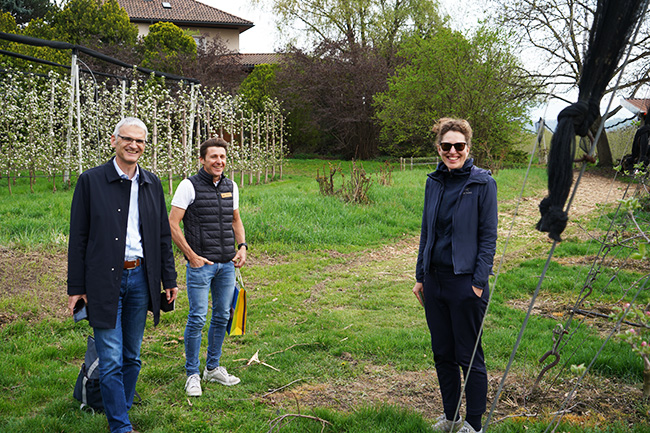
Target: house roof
250,60
636,105
182,12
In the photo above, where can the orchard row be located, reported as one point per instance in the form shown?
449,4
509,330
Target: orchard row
58,125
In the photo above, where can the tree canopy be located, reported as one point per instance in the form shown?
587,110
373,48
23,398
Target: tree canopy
24,11
445,75
81,21
259,86
167,48
7,23
378,23
329,93
554,35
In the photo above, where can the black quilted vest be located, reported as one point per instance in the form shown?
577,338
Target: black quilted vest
208,220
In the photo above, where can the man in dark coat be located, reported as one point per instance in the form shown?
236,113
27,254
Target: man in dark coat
119,252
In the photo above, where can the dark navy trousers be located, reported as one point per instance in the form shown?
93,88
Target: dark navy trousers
454,314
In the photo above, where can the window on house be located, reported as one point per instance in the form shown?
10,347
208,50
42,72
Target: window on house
166,5
200,42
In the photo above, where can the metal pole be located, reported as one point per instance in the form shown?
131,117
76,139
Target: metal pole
68,142
123,106
79,148
190,128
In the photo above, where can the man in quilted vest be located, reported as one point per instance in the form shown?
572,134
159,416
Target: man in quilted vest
214,244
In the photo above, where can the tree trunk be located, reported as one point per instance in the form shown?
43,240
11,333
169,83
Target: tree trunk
646,383
603,152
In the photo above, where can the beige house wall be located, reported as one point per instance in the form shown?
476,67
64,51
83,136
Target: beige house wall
229,36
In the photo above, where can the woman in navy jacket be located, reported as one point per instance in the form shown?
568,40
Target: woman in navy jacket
457,246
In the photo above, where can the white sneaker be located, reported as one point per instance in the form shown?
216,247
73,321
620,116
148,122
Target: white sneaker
467,428
193,386
220,375
444,425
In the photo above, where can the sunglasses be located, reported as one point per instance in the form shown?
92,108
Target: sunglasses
447,146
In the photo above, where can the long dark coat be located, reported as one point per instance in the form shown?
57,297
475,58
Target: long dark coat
98,219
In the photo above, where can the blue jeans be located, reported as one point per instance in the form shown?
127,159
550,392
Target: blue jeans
218,279
119,350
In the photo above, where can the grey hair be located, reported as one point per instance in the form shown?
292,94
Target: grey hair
128,121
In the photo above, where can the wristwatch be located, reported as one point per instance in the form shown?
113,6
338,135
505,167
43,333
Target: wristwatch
243,244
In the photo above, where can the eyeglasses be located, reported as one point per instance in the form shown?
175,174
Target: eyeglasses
460,146
131,140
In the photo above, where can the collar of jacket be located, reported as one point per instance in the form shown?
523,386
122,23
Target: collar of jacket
112,176
442,169
476,174
203,175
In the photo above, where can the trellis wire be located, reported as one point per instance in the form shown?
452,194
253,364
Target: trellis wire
496,278
551,251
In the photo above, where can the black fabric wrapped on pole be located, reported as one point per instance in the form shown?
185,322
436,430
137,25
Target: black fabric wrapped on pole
613,23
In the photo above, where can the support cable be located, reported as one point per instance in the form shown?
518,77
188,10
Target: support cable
28,40
568,206
559,414
501,262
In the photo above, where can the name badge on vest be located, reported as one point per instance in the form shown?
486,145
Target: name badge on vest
226,195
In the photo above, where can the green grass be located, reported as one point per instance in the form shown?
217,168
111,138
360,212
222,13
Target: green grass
330,305
279,217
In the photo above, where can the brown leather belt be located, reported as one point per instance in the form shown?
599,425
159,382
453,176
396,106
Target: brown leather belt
132,264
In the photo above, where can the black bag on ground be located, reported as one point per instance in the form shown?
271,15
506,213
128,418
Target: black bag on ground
86,390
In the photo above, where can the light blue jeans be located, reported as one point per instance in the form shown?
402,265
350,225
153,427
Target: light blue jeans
119,350
218,279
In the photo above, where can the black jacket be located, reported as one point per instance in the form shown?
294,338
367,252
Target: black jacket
98,219
474,226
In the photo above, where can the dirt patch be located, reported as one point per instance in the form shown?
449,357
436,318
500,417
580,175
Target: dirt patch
403,251
631,265
595,401
376,385
36,282
595,189
596,316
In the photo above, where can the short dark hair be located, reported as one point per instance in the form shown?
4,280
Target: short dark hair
212,142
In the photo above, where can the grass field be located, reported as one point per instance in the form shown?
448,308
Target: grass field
331,316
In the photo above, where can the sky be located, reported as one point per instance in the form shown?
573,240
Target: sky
264,38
